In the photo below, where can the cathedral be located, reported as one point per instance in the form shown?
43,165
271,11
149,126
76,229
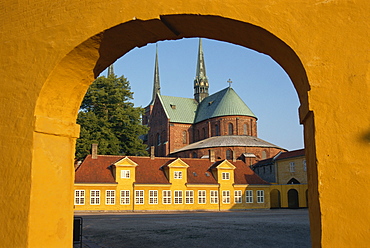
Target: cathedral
217,126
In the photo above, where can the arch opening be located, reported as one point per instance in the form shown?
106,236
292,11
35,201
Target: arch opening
64,89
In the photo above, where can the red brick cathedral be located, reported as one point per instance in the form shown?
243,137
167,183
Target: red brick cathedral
220,125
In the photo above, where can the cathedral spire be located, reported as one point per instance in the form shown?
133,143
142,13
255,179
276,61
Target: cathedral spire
156,84
110,70
201,80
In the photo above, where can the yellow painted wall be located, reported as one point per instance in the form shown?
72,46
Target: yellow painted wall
284,174
51,51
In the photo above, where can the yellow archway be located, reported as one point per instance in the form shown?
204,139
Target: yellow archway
56,50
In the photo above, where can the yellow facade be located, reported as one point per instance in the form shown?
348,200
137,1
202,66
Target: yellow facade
51,52
177,195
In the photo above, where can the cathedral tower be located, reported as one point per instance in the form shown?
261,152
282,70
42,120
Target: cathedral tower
201,80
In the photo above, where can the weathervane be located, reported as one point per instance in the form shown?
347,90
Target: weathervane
230,82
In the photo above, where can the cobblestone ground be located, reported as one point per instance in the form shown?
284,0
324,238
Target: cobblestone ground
256,228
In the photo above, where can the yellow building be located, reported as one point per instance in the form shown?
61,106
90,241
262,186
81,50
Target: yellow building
121,183
287,172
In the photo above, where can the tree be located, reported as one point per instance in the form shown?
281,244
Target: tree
107,117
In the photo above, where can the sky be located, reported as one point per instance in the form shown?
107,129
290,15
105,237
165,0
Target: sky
262,84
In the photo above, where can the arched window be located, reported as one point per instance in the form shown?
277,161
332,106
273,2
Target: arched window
184,137
217,130
229,154
204,133
264,156
231,129
245,129
195,155
158,139
198,135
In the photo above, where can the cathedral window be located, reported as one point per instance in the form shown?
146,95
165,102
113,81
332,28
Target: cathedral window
229,154
217,130
204,133
264,156
184,137
158,139
245,129
230,129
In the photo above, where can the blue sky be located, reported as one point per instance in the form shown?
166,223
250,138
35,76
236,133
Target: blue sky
259,81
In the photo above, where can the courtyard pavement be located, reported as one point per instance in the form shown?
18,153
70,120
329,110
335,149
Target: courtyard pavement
253,228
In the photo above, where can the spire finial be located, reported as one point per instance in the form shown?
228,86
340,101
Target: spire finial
230,82
110,70
201,80
156,84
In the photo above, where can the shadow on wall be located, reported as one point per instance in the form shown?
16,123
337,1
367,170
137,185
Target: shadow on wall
366,137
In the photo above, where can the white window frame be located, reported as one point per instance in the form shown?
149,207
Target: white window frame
166,196
189,197
225,175
178,197
125,197
238,196
125,174
226,196
249,196
79,197
214,197
110,197
292,167
177,174
139,197
304,165
202,197
94,197
153,196
260,196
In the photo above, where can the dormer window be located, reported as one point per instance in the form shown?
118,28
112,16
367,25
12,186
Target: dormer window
177,175
225,175
125,174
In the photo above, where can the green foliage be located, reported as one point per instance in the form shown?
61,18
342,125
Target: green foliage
107,117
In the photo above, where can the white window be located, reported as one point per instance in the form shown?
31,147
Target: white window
139,196
178,196
214,197
125,197
260,196
153,196
166,196
178,175
201,197
249,196
110,197
79,197
125,174
94,197
238,196
226,196
304,165
225,175
292,167
189,197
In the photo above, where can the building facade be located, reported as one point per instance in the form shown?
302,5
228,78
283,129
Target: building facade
118,183
189,127
287,173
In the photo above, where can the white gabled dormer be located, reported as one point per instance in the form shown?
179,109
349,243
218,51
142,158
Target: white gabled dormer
176,172
124,171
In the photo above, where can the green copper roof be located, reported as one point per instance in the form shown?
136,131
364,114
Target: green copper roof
222,103
179,109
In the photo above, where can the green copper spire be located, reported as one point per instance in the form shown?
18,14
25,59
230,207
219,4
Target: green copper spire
201,80
156,85
110,70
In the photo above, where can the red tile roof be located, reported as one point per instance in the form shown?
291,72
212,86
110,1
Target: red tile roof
291,154
149,171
